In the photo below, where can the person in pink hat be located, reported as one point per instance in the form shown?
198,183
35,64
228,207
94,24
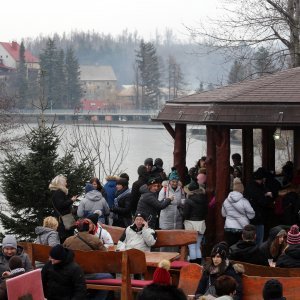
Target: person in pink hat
290,258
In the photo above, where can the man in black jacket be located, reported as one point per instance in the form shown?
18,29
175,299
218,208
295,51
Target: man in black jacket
246,250
149,205
63,278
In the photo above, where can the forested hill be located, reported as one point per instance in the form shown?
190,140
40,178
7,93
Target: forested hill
98,49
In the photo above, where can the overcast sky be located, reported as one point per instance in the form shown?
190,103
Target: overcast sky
31,18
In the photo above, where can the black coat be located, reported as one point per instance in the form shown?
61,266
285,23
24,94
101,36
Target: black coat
150,206
195,207
255,193
64,281
207,277
135,192
290,258
249,252
64,206
123,210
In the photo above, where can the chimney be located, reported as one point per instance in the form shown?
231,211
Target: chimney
14,45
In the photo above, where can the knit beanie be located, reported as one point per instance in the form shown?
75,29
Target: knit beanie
15,262
293,236
93,217
148,162
161,274
221,249
158,162
123,182
238,185
58,252
272,290
89,187
9,241
174,175
124,175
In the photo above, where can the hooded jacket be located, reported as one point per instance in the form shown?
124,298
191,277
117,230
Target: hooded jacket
150,206
290,258
20,252
46,236
170,217
122,209
92,201
65,280
237,211
247,251
110,189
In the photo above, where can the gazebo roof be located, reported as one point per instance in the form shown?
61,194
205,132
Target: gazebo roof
272,100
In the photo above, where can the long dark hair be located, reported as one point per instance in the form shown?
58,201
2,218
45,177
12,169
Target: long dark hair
99,185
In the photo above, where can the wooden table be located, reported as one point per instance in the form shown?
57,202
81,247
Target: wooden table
153,258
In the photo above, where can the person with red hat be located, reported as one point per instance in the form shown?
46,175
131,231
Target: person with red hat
290,258
161,274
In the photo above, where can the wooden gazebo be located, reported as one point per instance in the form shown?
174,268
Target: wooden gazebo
268,103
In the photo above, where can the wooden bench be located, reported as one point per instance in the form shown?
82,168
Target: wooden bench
189,278
253,287
119,262
165,238
265,271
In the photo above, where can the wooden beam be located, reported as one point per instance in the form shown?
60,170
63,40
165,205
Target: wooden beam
170,129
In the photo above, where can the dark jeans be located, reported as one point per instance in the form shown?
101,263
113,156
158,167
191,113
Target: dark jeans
232,237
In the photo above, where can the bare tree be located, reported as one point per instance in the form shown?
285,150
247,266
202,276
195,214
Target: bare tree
248,24
103,151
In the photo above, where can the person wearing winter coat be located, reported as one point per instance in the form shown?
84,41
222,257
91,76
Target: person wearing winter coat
83,240
47,234
9,249
195,210
93,200
149,205
171,216
138,235
62,204
246,249
219,265
96,229
15,269
62,278
135,189
276,243
122,204
237,211
110,189
290,258
260,199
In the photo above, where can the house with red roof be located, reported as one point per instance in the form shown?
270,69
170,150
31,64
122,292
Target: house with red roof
10,57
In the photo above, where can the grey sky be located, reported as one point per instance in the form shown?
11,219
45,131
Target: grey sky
33,17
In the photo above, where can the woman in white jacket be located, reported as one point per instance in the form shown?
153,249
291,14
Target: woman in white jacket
238,211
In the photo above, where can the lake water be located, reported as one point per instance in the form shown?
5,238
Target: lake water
143,141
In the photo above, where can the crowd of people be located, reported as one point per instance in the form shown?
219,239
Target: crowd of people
160,201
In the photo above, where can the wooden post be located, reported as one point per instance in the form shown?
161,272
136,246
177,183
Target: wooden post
210,188
247,144
268,148
222,178
180,150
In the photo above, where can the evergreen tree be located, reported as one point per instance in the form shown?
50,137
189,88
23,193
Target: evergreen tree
73,87
52,64
22,83
26,179
237,73
148,65
175,78
263,62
